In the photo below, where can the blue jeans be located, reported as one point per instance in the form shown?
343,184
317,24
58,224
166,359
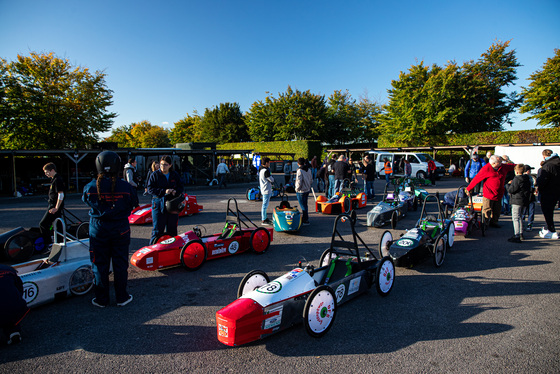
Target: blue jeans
265,200
302,198
530,212
222,180
332,189
338,185
369,190
388,178
163,222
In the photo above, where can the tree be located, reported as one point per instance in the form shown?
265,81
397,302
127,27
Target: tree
542,98
223,124
47,103
140,135
186,130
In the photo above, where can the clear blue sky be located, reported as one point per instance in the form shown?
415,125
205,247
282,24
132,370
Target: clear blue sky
165,59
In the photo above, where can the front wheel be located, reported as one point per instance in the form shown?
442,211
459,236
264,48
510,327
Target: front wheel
193,255
394,220
19,247
81,280
82,232
319,311
421,175
161,238
385,276
252,281
326,257
451,235
440,247
260,240
385,243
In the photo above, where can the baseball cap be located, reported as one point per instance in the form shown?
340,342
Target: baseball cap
526,168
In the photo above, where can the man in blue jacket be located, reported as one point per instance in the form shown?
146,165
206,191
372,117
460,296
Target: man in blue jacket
471,170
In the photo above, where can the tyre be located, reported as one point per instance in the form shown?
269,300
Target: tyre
82,232
394,220
19,247
326,257
252,281
385,276
319,311
193,255
385,243
353,217
81,280
440,247
451,235
260,240
346,204
421,174
248,193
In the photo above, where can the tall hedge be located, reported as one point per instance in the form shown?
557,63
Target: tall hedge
301,148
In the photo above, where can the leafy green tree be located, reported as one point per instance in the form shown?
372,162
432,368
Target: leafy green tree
224,124
186,130
542,97
140,135
367,127
122,136
47,103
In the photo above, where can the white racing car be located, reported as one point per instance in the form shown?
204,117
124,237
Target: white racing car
67,271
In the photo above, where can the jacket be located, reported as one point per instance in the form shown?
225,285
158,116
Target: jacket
158,183
113,206
129,172
473,167
493,188
14,307
265,181
549,178
304,179
520,190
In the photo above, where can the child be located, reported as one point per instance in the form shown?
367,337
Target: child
520,191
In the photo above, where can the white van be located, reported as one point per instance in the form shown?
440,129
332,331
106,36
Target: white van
418,161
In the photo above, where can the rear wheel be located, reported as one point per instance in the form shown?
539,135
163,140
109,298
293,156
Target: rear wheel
260,240
81,280
193,255
394,220
19,247
82,232
451,235
252,281
346,204
385,244
421,175
385,276
161,238
440,247
326,258
319,311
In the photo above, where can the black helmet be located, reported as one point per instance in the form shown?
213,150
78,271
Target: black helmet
174,205
108,162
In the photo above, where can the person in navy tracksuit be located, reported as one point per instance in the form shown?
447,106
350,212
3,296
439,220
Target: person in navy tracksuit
111,200
14,307
164,184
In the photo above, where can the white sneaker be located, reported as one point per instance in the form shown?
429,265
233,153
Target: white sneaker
554,235
544,232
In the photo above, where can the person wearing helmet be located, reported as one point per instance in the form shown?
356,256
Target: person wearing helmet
164,185
111,200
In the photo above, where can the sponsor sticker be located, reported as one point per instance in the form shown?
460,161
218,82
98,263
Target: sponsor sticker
233,247
168,241
293,274
274,320
218,251
222,330
144,251
405,242
149,260
340,291
354,285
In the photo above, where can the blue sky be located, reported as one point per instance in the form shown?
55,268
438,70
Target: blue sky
165,59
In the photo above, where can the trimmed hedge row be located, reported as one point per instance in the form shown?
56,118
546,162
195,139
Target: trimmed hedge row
301,148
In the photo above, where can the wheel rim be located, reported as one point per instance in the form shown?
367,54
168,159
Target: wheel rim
254,282
193,255
81,280
321,312
20,247
326,258
394,220
439,251
260,240
451,235
384,244
386,276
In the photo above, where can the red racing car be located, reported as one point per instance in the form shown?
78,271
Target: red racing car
143,213
192,249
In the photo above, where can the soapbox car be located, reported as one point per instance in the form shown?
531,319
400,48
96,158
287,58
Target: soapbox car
285,217
392,208
254,193
348,199
463,214
66,271
192,249
430,237
309,295
143,214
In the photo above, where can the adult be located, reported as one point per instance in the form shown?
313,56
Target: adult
130,172
221,172
164,185
111,201
474,165
304,180
321,178
314,167
265,183
341,171
368,173
407,169
331,185
432,171
488,155
493,175
548,183
530,211
287,172
14,307
55,199
153,167
388,170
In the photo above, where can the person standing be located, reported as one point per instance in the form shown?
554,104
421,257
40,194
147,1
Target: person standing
530,211
331,185
314,168
321,178
111,201
432,171
471,170
130,172
369,177
221,172
341,172
519,189
407,169
55,202
265,183
287,172
388,170
164,184
14,307
153,167
304,180
548,184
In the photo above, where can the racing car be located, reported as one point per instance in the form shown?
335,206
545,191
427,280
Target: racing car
191,249
143,214
309,295
430,237
466,213
348,199
66,271
391,208
285,217
254,193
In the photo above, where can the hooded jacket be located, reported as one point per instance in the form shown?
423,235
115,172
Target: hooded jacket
549,179
304,179
520,190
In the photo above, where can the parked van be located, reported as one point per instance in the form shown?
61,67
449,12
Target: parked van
418,161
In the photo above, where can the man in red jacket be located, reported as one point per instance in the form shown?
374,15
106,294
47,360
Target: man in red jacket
493,175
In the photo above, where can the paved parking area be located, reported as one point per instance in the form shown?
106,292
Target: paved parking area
493,307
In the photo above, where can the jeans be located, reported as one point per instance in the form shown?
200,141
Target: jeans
530,212
388,178
369,190
332,189
339,184
163,222
302,198
222,180
516,211
265,200
320,185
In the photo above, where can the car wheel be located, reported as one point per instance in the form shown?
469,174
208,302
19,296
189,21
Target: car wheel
252,281
326,257
346,204
440,247
248,193
421,175
19,247
451,235
394,220
319,311
81,280
385,243
260,240
385,276
82,232
193,255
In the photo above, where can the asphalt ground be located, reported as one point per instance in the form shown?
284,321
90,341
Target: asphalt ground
493,307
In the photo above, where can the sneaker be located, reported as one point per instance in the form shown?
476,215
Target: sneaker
126,301
529,228
267,222
94,302
305,223
545,234
514,239
554,235
15,338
